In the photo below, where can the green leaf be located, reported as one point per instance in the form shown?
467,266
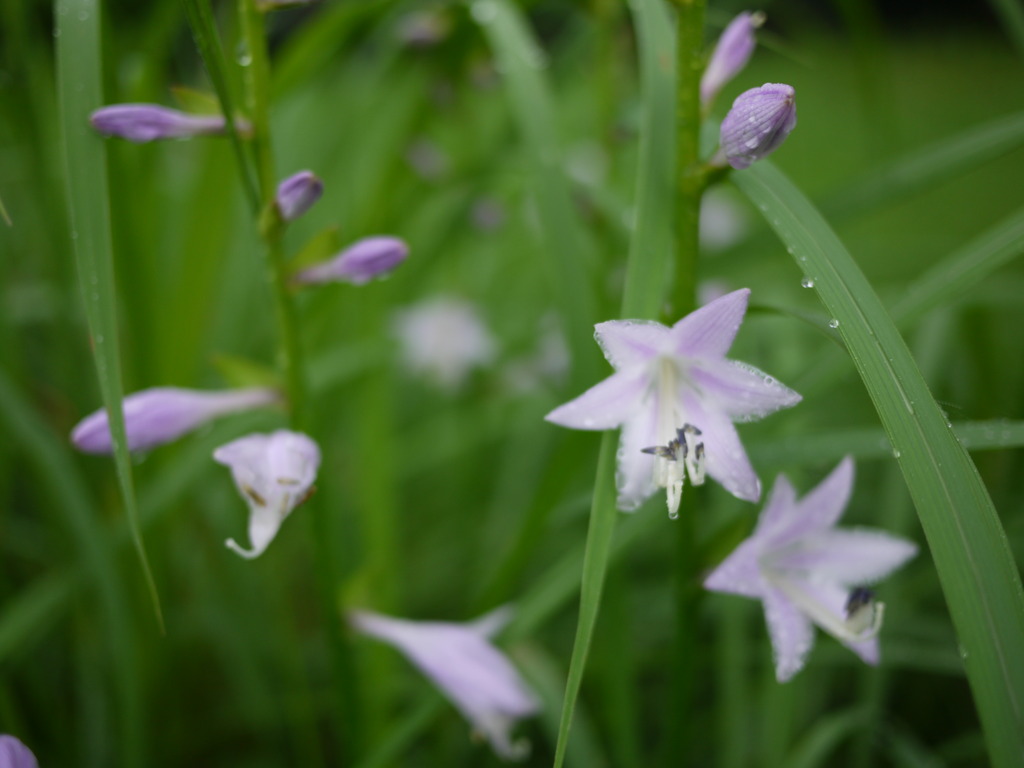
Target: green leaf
194,101
242,372
969,547
80,92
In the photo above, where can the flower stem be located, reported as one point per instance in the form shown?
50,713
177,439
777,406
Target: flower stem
256,61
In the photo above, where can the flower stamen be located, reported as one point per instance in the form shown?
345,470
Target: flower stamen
863,614
675,461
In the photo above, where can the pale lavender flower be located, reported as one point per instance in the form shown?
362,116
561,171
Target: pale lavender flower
461,660
148,122
361,262
731,54
297,194
444,339
14,754
275,474
159,415
758,123
806,572
676,396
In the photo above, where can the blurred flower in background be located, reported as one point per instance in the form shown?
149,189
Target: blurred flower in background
723,221
160,415
148,122
443,339
14,754
297,194
361,262
807,572
731,54
461,660
274,473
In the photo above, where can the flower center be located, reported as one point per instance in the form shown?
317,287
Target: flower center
862,614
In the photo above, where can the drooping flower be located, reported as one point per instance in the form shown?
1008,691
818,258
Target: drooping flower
444,339
461,660
806,572
361,262
274,473
669,379
14,754
148,122
297,194
731,54
758,123
159,415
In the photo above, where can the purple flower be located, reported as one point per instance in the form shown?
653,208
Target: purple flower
758,123
275,474
14,754
297,194
147,122
460,660
807,572
676,396
731,54
360,263
159,415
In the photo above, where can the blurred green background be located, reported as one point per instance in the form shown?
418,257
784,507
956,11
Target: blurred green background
442,504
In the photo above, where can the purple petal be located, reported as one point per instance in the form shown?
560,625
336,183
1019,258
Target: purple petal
709,331
731,54
778,514
148,122
361,262
14,754
297,194
162,414
822,507
740,572
626,343
847,557
791,632
479,680
740,391
726,458
634,473
605,405
758,123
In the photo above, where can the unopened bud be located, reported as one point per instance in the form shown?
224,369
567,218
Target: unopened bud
758,123
297,194
360,263
148,122
731,54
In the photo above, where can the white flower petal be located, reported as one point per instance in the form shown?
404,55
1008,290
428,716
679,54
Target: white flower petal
627,343
634,473
741,391
847,557
791,632
726,458
709,331
605,405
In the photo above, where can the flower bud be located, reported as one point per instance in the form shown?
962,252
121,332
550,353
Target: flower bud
147,122
758,123
359,263
160,415
731,54
297,194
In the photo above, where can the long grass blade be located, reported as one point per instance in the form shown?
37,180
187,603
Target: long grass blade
969,547
80,92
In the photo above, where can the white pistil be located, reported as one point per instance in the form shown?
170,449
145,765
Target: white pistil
862,624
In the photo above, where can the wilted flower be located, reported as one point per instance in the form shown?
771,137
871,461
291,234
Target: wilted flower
159,415
297,194
445,339
14,754
731,54
147,122
460,660
274,473
675,386
360,263
804,570
758,123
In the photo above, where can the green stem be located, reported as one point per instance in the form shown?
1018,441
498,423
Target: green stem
271,230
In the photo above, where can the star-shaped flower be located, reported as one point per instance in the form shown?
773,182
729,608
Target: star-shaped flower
807,572
461,660
274,473
667,379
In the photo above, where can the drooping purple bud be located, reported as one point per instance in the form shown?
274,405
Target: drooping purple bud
360,263
297,194
159,415
758,123
14,754
731,54
148,122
